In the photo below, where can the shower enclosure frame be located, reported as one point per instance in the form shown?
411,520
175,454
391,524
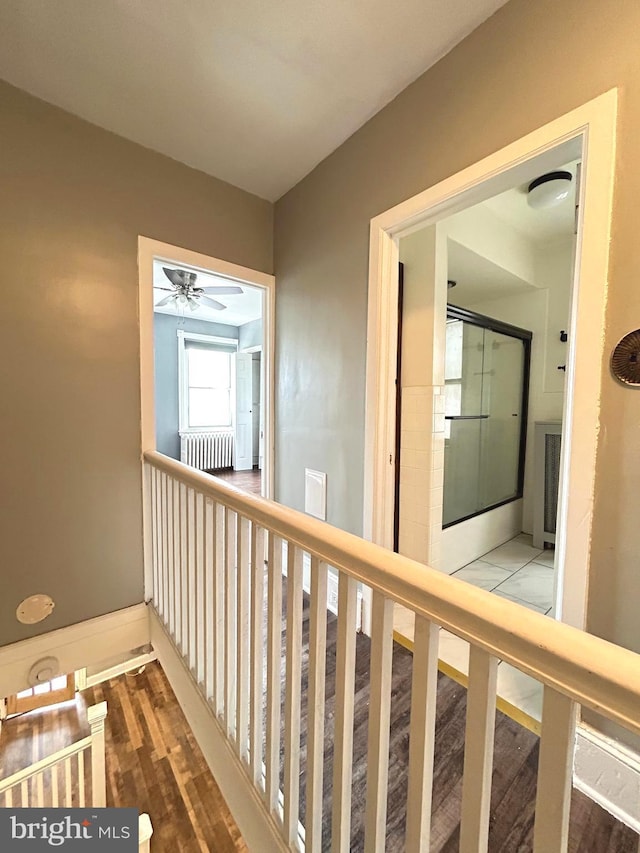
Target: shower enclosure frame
454,312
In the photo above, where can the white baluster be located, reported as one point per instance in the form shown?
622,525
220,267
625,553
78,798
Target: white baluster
257,652
198,534
243,606
192,600
216,546
54,786
68,789
292,693
96,716
39,790
177,601
478,751
170,621
209,613
152,497
274,644
8,798
379,723
424,691
343,735
167,551
230,632
81,785
24,794
185,578
315,705
555,773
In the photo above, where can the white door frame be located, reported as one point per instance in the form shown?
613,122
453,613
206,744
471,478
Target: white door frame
591,130
258,348
149,249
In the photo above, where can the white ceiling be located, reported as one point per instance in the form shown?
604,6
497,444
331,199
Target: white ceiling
537,225
241,308
254,93
477,278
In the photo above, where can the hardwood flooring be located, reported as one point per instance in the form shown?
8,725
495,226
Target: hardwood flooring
592,830
153,760
248,481
154,763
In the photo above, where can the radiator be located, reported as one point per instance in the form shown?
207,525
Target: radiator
548,440
207,450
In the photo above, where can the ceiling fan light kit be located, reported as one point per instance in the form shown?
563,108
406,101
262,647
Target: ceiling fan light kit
184,293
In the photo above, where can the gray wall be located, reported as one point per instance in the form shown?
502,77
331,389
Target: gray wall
528,64
250,334
165,333
74,200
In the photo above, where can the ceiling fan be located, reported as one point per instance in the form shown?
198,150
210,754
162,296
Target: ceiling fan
183,291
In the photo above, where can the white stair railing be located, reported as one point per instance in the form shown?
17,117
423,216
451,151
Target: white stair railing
62,779
205,547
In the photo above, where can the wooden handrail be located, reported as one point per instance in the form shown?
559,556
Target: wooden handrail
49,761
597,674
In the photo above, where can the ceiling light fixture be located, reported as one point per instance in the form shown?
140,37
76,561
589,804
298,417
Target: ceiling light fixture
549,190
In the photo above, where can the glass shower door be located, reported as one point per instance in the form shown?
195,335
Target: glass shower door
486,375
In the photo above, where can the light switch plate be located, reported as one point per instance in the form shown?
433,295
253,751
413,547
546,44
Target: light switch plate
315,493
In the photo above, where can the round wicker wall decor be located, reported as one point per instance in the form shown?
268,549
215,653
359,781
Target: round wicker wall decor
625,359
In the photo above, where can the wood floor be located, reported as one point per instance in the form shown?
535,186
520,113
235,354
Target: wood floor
153,760
592,830
153,763
248,481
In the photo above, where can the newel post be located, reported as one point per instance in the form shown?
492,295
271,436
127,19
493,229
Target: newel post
145,831
96,715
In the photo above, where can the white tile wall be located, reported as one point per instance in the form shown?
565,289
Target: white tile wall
421,473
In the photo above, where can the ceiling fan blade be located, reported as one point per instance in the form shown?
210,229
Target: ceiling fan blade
212,303
223,290
180,278
167,289
166,300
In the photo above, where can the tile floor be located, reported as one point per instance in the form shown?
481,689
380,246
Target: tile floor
521,573
517,571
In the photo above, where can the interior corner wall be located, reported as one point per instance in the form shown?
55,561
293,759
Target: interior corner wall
250,334
165,339
75,198
525,66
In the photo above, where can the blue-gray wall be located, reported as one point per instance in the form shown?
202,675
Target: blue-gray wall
165,327
250,334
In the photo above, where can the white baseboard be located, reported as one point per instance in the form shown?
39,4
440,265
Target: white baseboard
75,647
90,679
258,828
608,773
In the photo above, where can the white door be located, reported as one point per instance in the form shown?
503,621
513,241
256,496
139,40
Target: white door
262,404
243,458
255,384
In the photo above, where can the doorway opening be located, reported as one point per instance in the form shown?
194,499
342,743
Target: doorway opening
207,364
585,136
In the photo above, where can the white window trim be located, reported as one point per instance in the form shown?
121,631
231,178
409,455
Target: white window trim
183,423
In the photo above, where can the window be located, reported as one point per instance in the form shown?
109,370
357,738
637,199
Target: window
205,387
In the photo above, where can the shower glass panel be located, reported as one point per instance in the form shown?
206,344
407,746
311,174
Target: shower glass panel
486,387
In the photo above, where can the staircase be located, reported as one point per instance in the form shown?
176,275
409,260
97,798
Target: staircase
73,777
215,559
